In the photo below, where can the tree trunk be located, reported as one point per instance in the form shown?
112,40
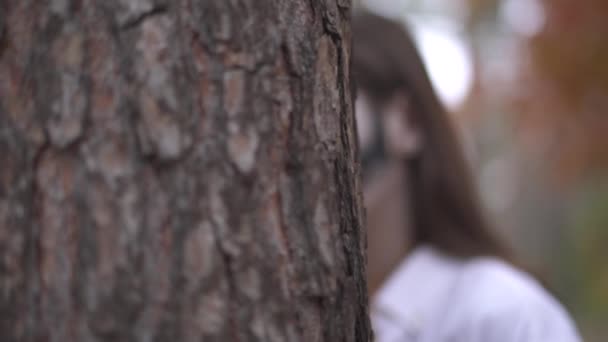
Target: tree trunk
179,171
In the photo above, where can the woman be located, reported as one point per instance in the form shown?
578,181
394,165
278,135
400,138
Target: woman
437,272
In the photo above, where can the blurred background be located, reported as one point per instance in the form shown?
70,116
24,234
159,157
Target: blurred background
527,83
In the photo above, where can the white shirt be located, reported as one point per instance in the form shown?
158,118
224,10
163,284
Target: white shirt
432,297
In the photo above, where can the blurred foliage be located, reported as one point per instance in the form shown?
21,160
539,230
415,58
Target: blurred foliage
562,93
571,53
589,236
558,104
580,273
480,10
566,87
564,98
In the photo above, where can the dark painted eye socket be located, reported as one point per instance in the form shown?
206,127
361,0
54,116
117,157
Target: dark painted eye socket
374,154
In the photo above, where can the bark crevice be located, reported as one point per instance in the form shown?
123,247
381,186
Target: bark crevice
135,21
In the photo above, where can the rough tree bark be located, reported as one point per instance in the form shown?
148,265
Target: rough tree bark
178,171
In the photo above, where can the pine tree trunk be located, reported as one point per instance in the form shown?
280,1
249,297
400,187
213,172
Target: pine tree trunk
179,171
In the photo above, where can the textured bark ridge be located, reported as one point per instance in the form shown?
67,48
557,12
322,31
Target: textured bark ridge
179,171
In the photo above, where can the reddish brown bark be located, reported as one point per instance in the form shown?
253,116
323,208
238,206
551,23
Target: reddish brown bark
178,171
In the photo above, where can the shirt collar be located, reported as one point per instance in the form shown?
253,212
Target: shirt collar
414,291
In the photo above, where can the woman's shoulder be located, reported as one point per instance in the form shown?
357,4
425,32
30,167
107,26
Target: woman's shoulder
502,303
500,283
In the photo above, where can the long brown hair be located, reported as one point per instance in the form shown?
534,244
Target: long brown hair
446,209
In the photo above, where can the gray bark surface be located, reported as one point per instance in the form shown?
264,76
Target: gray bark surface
179,171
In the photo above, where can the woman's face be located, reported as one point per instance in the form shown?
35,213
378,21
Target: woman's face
386,135
386,141
370,132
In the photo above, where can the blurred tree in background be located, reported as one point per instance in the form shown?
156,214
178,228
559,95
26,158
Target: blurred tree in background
567,85
556,106
561,88
569,71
